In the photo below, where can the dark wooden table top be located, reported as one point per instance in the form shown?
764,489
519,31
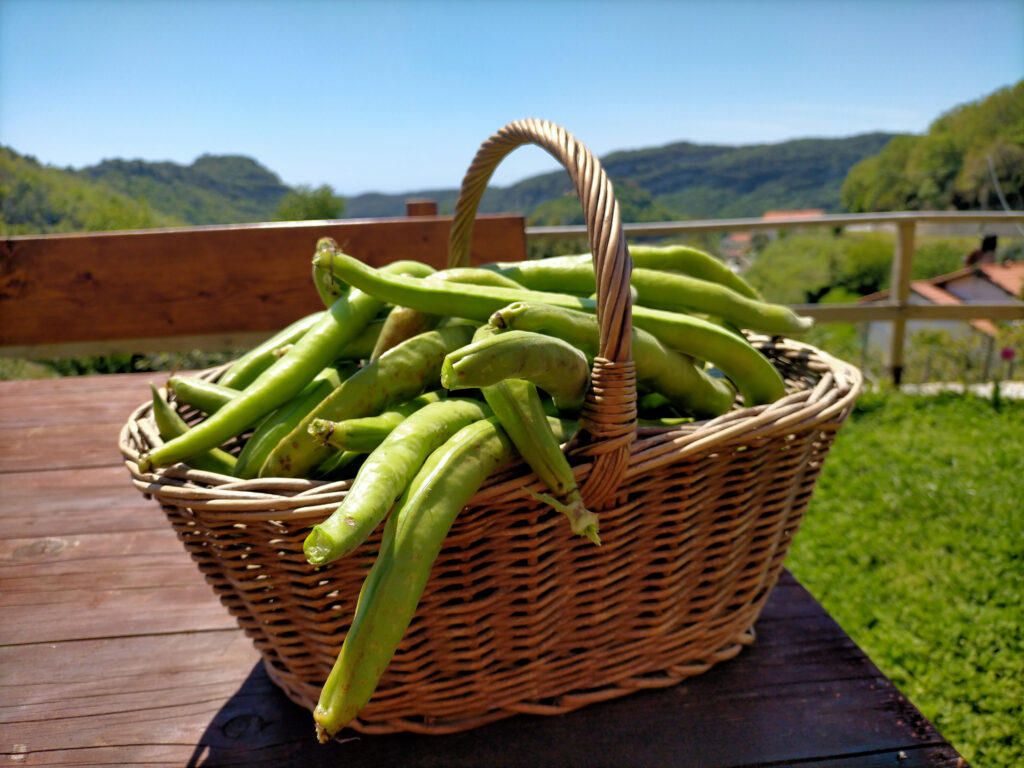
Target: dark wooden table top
114,651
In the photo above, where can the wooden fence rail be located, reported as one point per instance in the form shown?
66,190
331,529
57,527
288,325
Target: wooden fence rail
221,287
226,287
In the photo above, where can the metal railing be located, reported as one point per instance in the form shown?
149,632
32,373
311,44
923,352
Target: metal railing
896,309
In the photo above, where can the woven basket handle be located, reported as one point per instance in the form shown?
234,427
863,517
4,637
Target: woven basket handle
608,419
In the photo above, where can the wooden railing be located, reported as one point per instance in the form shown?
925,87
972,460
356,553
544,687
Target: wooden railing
211,288
228,286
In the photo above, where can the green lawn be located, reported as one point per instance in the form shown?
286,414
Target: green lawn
914,542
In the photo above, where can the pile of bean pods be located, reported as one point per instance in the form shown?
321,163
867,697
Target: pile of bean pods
418,384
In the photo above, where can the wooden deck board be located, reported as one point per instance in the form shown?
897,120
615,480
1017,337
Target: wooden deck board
114,650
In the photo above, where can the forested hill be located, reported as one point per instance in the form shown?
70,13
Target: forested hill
215,189
681,180
971,158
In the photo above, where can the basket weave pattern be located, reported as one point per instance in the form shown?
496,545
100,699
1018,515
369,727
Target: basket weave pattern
520,615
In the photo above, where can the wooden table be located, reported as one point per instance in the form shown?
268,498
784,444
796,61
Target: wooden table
113,650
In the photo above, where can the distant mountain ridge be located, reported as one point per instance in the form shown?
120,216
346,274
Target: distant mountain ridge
676,181
683,179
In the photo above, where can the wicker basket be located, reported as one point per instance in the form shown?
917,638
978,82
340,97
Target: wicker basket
520,616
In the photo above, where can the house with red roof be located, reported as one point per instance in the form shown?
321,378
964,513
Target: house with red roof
981,283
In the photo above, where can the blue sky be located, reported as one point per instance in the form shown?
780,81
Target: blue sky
396,95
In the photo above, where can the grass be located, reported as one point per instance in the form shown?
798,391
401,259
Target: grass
914,542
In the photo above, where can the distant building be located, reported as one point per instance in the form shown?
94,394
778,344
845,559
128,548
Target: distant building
794,215
982,283
734,248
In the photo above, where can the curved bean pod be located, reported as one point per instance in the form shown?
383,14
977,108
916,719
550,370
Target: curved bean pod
328,288
751,373
667,290
246,368
405,322
386,473
519,409
413,537
554,365
268,434
673,258
403,372
279,383
365,433
659,368
170,425
206,396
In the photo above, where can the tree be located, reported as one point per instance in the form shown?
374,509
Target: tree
307,204
971,157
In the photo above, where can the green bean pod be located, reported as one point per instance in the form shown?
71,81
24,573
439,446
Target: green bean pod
405,322
667,290
206,396
554,365
170,425
364,434
359,348
402,323
519,409
323,278
659,368
690,261
386,473
280,422
405,371
249,366
674,258
283,380
680,293
751,373
413,537
339,466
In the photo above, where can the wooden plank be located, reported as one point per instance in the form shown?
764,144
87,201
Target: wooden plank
67,423
59,588
790,697
86,445
74,400
209,342
203,280
76,501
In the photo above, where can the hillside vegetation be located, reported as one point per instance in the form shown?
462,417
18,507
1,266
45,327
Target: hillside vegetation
676,181
968,156
37,199
951,166
224,189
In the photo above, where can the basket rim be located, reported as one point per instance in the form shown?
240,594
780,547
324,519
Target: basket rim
826,403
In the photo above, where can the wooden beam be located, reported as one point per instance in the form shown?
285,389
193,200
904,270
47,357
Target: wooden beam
203,281
421,208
